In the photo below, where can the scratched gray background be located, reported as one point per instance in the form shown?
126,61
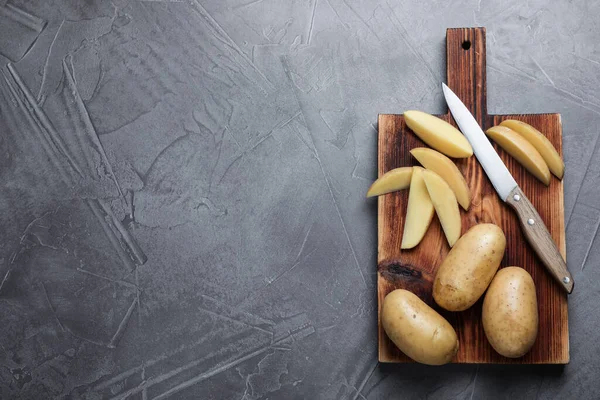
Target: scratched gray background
182,200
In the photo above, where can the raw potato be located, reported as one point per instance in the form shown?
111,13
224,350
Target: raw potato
417,329
391,181
444,167
541,144
438,134
510,312
522,151
419,212
446,207
469,267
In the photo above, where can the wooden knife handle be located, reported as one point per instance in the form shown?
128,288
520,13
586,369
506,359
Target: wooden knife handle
539,238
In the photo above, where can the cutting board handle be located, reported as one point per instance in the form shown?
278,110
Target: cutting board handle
465,68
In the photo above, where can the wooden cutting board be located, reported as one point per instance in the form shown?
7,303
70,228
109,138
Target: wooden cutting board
415,269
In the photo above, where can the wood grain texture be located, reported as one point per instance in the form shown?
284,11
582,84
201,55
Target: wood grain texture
415,269
539,238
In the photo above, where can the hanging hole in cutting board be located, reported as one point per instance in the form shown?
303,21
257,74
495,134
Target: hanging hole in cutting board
466,45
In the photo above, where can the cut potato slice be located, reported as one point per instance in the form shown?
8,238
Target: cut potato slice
541,144
395,179
419,212
444,167
521,150
444,202
438,134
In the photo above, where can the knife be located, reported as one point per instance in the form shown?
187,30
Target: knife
535,230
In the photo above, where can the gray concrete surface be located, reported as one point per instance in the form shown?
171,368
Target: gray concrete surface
182,202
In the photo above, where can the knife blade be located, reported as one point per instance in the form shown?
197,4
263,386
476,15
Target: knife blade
533,226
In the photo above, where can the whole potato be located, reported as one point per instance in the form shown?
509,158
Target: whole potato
510,312
417,329
469,267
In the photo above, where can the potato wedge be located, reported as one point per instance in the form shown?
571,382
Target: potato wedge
522,151
419,212
438,134
391,181
445,204
444,167
417,329
541,144
510,312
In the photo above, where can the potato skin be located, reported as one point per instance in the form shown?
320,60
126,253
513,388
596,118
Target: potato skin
417,329
469,267
510,312
438,134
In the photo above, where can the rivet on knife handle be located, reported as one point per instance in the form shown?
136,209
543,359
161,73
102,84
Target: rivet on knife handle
539,238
